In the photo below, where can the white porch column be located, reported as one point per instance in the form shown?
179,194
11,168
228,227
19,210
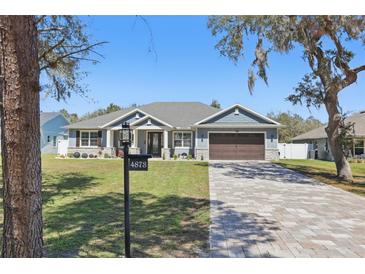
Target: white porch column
165,139
135,141
109,138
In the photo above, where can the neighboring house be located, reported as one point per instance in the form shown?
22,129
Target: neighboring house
319,141
165,129
52,129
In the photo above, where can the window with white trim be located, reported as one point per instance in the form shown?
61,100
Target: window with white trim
183,139
89,138
358,147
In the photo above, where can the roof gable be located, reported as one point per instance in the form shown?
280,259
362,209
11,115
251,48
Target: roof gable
45,117
237,114
131,117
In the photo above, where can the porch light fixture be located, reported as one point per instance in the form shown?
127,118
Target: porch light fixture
125,134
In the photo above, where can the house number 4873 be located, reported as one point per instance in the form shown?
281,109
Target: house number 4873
138,164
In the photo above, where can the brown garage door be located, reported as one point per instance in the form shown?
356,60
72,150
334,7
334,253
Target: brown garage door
236,146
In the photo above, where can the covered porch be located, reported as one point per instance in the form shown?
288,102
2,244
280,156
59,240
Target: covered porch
159,140
155,142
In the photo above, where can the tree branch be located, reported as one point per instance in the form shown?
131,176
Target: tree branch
85,59
81,50
50,29
73,53
52,48
359,69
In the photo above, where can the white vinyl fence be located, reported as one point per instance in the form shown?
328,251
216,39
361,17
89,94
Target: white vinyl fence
293,151
62,147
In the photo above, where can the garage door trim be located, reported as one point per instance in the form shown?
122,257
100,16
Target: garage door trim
236,132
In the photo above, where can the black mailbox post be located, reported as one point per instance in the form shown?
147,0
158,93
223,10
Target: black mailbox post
136,162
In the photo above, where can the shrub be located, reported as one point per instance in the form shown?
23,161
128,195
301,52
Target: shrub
77,154
175,157
95,156
163,156
91,155
201,158
190,157
106,156
84,155
70,155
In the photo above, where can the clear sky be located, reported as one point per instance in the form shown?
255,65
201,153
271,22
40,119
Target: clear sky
186,67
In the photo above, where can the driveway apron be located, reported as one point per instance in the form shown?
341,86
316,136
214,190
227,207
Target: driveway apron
259,209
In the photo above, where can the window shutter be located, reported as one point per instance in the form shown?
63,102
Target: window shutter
77,138
99,138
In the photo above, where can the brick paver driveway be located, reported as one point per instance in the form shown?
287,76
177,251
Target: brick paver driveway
263,210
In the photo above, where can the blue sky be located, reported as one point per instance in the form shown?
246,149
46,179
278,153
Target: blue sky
186,67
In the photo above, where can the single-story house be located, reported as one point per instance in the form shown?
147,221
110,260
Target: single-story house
52,130
165,129
319,141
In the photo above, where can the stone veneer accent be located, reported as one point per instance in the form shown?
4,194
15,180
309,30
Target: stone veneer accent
271,154
202,152
166,152
134,150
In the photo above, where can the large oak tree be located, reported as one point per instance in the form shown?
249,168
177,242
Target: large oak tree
325,42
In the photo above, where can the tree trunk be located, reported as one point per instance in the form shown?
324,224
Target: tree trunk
20,137
334,118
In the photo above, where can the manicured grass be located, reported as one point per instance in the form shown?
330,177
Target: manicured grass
83,208
325,172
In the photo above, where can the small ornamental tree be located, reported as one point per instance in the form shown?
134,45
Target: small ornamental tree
324,41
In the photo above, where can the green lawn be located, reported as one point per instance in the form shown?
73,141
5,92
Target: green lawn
325,172
83,208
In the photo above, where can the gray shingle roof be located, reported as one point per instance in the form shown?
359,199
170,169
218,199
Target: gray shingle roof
320,133
100,120
177,114
47,116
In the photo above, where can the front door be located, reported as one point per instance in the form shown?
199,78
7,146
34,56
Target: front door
154,143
